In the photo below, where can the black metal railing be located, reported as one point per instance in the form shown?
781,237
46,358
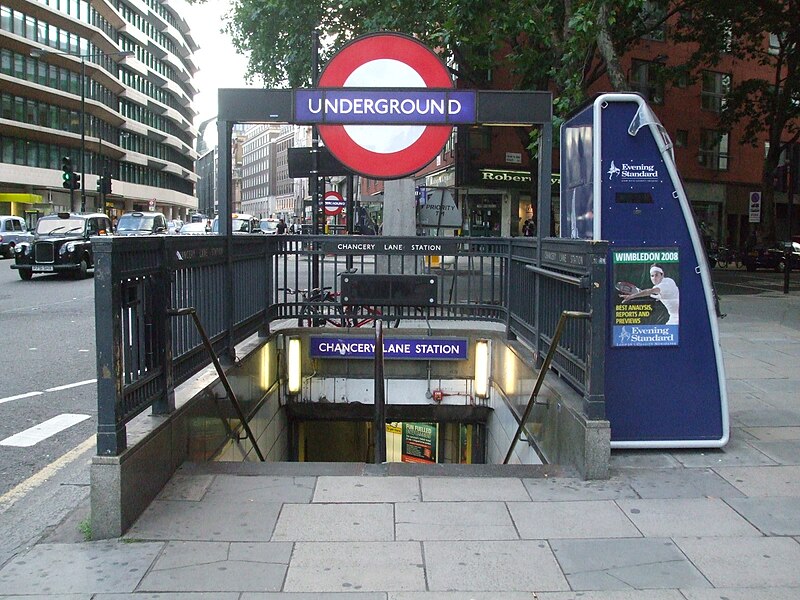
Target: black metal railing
238,286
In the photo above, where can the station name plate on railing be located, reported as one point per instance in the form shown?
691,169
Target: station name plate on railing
354,245
393,348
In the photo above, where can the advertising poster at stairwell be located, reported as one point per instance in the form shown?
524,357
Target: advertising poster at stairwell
646,305
419,442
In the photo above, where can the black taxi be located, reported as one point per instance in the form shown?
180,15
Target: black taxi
61,244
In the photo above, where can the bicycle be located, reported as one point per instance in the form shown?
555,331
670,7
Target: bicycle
321,306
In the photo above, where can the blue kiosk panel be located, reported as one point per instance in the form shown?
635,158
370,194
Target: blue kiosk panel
664,378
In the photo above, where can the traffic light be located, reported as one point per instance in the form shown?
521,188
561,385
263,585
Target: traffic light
104,184
76,181
68,173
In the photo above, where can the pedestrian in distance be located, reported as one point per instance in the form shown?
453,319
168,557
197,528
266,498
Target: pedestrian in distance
281,229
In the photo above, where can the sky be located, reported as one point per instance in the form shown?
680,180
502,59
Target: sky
220,66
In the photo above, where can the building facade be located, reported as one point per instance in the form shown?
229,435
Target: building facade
107,84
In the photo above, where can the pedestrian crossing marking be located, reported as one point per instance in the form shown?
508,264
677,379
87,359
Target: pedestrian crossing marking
42,431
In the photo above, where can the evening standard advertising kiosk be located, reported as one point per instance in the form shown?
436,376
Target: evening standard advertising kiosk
664,377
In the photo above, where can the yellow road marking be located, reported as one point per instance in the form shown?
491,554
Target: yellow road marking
19,491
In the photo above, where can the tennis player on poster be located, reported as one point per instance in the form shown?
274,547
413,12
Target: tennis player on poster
664,289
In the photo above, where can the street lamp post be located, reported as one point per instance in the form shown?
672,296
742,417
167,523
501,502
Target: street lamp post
41,52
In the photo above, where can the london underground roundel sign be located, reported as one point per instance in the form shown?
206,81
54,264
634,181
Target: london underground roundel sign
385,61
334,203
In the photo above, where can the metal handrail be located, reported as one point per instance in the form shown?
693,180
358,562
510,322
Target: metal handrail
177,312
567,314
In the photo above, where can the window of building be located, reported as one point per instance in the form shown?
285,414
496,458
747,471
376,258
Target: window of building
715,87
645,78
713,150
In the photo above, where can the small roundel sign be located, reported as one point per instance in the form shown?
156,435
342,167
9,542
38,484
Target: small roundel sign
334,203
389,61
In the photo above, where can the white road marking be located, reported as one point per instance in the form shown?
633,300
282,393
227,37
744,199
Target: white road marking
21,489
58,388
20,396
70,385
42,431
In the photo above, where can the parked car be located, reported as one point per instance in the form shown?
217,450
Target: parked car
269,226
194,229
61,244
241,223
174,226
142,223
772,257
13,231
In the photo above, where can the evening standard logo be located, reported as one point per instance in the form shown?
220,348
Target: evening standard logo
646,335
632,172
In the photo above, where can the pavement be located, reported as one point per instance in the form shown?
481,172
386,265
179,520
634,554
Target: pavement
667,525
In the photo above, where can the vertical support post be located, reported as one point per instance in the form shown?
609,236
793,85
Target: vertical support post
793,184
224,191
314,177
594,400
351,213
379,422
165,403
111,434
544,219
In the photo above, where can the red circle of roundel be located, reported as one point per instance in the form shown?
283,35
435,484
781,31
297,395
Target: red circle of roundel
334,203
432,71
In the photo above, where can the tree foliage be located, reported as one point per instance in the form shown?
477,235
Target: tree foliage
762,32
562,45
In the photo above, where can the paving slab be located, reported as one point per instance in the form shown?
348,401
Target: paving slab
774,434
367,489
750,562
552,489
87,568
774,481
500,566
218,567
335,522
263,488
737,452
243,520
774,516
312,596
454,521
167,596
666,517
583,519
613,595
776,593
679,483
641,459
784,452
473,489
635,564
186,487
459,596
356,567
